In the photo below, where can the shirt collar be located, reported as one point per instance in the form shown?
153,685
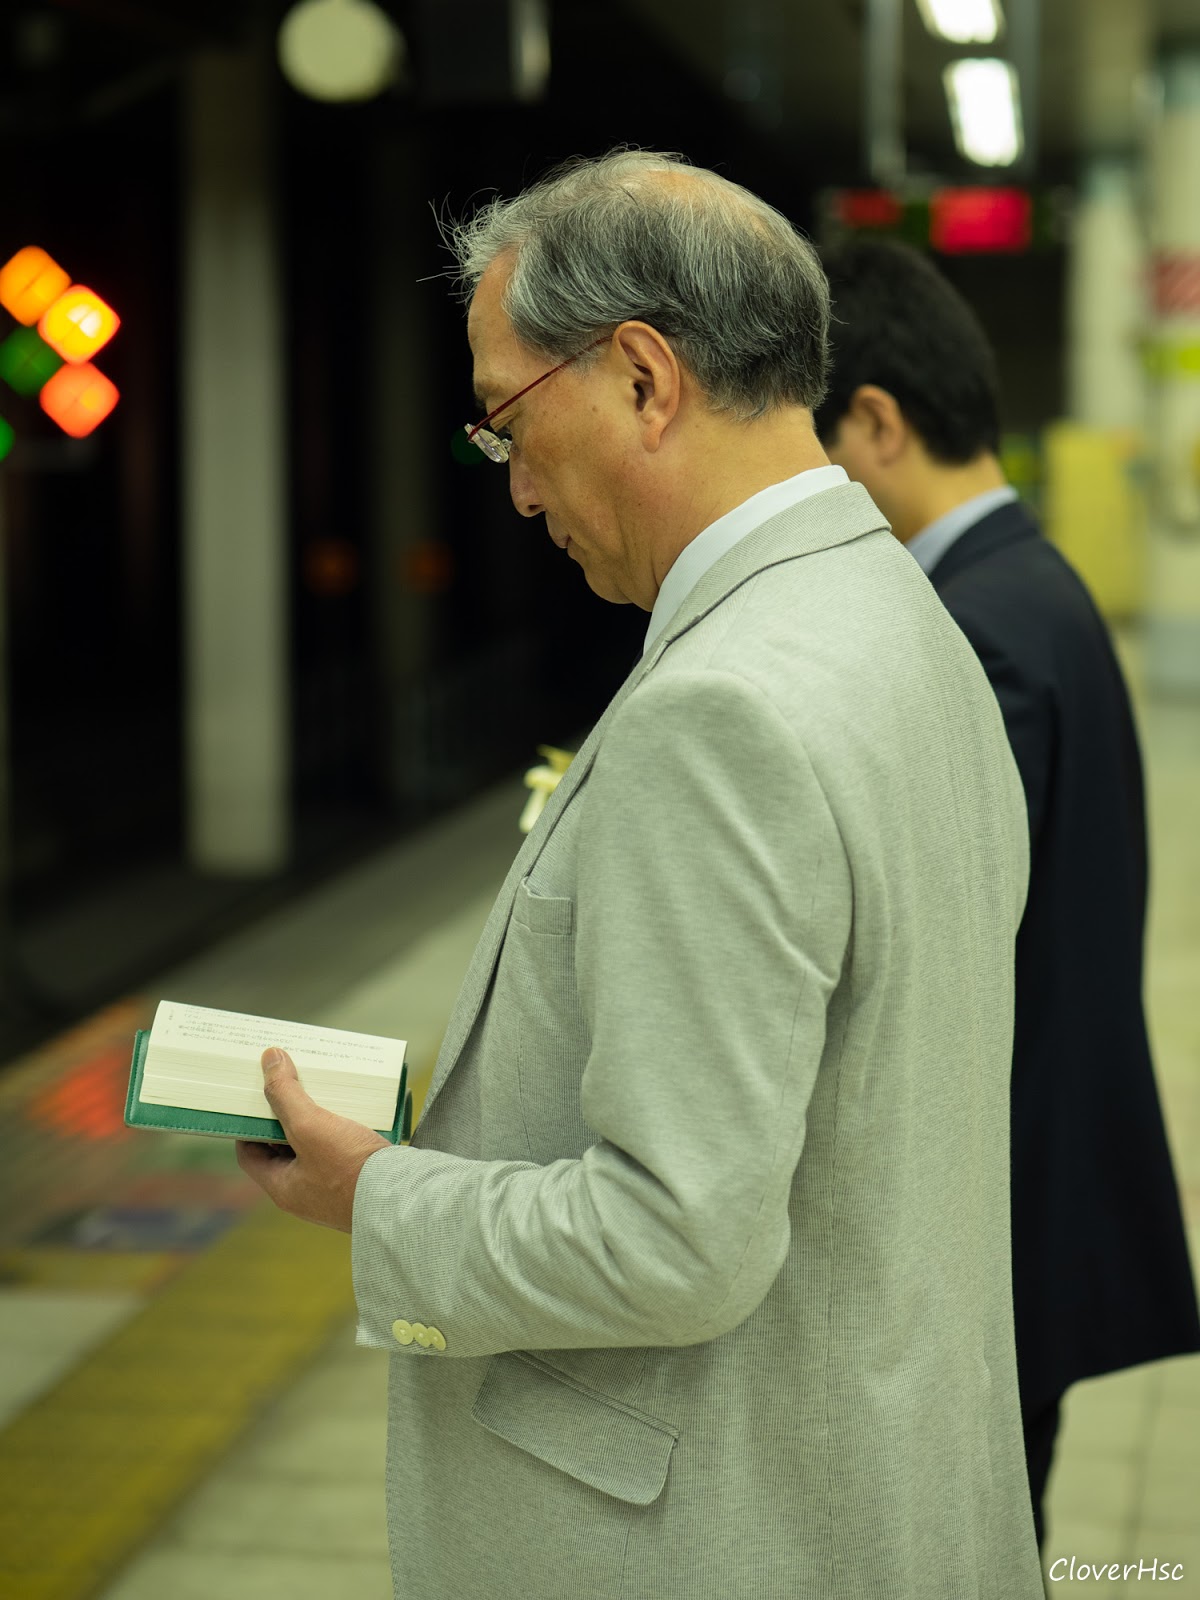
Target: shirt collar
707,548
929,546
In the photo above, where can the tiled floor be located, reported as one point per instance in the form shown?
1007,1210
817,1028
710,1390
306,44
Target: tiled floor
296,1509
46,1332
297,1512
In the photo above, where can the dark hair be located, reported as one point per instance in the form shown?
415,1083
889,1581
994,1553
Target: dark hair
899,324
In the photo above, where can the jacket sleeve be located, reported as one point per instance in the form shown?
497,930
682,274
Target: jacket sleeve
713,912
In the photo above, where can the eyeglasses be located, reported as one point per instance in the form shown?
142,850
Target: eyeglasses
496,448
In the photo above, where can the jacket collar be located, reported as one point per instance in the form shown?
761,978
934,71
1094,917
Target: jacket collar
1007,525
835,516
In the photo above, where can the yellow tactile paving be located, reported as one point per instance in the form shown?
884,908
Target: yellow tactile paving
45,1267
93,1466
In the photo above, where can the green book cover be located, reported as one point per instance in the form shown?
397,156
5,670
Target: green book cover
175,1119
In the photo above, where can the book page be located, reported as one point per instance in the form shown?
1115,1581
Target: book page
235,1035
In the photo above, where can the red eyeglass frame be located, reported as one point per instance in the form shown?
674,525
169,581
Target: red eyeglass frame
512,400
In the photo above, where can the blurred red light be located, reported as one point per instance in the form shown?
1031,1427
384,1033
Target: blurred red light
79,399
330,567
980,221
869,208
89,1101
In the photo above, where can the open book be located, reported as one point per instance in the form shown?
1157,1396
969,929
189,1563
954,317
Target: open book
197,1070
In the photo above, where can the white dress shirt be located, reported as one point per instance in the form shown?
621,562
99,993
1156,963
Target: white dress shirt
707,548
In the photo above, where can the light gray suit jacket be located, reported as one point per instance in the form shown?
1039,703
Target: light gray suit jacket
709,1201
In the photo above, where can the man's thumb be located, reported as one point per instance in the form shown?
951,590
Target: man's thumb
279,1076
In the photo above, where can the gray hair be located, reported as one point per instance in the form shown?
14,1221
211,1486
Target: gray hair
642,235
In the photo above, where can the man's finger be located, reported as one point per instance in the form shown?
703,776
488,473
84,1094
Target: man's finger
265,1163
285,1093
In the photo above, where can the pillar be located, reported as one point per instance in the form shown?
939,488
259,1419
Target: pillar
1105,305
235,601
1172,639
1094,501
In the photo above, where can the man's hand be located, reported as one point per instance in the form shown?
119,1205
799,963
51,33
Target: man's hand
314,1175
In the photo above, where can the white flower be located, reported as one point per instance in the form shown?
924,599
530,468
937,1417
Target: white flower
542,782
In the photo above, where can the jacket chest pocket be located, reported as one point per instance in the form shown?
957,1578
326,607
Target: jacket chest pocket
535,1044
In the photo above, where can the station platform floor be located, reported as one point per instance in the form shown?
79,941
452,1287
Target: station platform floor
183,1412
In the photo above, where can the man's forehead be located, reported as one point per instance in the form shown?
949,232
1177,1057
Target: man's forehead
490,364
486,314
486,370
491,338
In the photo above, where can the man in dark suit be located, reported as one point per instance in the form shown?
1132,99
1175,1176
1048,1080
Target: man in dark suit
1101,1278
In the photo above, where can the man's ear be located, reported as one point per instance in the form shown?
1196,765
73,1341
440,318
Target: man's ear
654,379
881,422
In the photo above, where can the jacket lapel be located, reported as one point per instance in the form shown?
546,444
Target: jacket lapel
479,972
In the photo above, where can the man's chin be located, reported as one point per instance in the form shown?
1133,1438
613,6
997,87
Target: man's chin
606,589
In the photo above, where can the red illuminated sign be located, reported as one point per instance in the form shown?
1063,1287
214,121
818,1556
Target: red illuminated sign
980,221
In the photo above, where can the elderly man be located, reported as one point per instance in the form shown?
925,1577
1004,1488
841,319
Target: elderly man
696,1275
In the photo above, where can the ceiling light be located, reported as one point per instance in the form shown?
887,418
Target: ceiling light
339,49
530,49
962,21
985,108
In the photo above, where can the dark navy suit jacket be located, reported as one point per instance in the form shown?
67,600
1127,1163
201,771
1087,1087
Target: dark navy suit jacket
1101,1278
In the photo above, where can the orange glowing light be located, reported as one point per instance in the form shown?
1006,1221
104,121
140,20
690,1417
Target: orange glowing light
330,567
30,283
427,567
78,324
78,398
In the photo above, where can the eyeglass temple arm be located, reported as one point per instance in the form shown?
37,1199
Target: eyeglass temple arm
512,400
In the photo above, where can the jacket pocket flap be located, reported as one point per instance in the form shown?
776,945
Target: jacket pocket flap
589,1436
543,913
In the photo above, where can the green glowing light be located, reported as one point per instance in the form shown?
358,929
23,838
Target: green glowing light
6,438
463,451
27,361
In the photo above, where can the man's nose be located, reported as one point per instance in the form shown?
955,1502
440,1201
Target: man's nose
520,486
